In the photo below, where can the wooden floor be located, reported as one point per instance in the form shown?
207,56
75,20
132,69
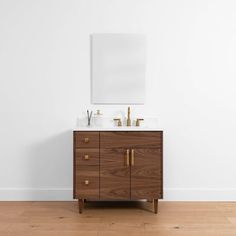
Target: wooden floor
111,219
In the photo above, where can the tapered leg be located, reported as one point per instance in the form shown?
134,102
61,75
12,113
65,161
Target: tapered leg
81,205
155,205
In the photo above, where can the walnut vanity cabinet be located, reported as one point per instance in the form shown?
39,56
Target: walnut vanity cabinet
118,165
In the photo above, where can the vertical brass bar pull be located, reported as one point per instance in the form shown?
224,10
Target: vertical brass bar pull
132,157
127,157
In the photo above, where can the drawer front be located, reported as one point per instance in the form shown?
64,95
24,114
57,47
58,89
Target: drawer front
86,139
87,157
87,182
131,139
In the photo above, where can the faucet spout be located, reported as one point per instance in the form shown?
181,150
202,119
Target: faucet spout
128,118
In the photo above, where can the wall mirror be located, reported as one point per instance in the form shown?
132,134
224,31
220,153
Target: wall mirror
118,68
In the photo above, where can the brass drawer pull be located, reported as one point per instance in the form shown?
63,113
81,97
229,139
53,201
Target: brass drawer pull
86,182
127,157
86,157
132,157
86,140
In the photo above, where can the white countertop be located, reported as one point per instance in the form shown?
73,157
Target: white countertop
108,124
123,128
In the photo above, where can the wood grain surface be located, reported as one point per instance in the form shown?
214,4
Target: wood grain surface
90,174
80,137
111,174
146,174
114,175
87,156
132,139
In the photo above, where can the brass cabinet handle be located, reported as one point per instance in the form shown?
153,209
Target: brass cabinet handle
132,157
86,157
86,182
86,140
127,157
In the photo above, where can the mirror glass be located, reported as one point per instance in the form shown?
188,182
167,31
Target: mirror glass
118,68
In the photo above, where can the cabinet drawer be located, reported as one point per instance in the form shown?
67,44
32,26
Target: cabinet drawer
131,139
87,182
87,157
86,139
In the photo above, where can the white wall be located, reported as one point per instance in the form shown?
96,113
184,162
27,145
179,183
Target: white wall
45,86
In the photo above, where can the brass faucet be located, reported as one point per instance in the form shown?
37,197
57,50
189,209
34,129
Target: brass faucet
128,118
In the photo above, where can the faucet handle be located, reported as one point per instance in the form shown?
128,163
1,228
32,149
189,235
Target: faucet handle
138,121
119,121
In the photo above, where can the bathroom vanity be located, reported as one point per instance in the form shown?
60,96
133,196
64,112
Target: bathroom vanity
125,161
116,164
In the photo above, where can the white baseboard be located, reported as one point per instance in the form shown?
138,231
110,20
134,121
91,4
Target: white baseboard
36,194
66,194
200,194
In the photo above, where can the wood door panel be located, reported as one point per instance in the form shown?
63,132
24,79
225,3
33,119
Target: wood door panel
86,139
126,139
146,174
114,189
143,189
145,157
114,175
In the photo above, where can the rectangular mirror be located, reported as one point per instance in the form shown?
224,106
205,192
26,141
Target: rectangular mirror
118,68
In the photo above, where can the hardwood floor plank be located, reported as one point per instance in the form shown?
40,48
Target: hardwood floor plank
118,218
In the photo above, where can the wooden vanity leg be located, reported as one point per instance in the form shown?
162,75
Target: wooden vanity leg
155,205
81,205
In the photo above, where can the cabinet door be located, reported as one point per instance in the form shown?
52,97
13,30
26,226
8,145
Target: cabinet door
114,174
146,173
